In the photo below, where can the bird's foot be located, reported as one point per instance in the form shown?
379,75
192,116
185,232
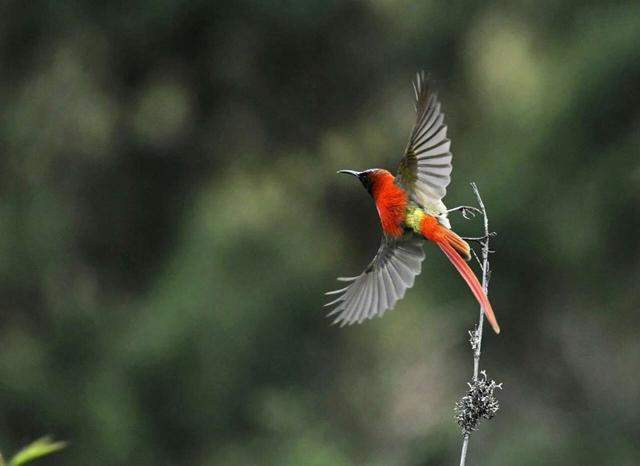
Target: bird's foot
467,212
480,239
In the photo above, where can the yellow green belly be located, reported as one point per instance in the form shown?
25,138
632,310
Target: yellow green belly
414,217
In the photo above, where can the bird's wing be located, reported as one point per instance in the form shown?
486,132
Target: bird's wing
425,169
385,280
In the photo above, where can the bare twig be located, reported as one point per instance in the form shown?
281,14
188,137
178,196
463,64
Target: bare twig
479,403
486,273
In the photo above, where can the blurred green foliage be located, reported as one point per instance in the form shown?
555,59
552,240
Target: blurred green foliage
170,216
40,448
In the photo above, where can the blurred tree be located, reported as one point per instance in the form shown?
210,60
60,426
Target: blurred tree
169,219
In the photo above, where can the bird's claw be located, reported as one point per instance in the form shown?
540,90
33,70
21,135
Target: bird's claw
467,212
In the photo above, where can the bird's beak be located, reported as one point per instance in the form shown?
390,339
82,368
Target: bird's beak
350,172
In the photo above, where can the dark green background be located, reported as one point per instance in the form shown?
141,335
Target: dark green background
170,217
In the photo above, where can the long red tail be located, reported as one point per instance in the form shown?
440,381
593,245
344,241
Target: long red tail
469,277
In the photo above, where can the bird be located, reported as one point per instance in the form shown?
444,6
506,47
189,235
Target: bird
411,212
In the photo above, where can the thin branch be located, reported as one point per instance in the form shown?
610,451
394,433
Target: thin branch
476,335
486,273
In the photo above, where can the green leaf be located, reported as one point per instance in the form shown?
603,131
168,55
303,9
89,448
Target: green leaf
41,447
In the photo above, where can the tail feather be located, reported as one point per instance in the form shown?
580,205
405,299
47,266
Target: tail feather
450,250
458,243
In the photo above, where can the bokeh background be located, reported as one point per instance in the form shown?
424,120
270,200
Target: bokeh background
170,217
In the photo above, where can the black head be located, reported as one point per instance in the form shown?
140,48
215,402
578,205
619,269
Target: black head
366,177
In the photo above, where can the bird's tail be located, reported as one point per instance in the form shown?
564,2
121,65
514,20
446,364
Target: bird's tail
458,243
453,247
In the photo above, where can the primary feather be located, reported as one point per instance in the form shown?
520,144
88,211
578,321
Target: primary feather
385,280
425,169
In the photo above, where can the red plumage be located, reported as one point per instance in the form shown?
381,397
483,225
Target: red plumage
391,201
410,208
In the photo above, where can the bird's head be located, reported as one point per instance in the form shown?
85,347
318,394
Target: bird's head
368,178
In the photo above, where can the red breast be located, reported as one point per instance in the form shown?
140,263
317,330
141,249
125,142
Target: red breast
391,202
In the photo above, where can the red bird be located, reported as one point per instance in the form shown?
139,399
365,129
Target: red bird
411,209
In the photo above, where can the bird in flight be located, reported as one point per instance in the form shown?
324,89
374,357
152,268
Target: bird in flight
411,210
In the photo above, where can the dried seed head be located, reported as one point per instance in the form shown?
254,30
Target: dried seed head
479,403
474,339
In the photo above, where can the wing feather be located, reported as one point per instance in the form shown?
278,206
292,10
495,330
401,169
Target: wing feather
384,281
426,182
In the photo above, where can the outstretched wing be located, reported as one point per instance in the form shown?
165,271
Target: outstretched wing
385,280
425,169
